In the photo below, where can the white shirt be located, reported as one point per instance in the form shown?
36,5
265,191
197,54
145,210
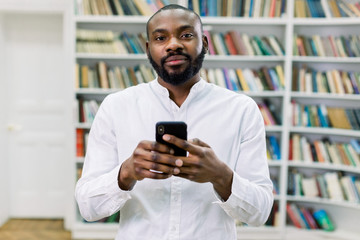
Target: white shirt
177,208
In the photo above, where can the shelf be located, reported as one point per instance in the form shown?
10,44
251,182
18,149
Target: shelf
325,21
326,131
95,91
243,21
300,234
244,58
83,125
273,128
227,58
256,233
93,19
109,56
310,59
329,96
263,94
283,28
325,166
274,163
321,201
79,159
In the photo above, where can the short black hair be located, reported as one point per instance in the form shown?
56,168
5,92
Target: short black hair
170,7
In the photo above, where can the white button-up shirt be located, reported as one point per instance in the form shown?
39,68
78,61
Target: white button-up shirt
177,208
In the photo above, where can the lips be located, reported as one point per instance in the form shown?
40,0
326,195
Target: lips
175,60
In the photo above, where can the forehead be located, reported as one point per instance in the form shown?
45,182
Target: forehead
174,18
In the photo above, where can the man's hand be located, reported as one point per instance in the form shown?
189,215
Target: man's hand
202,165
149,160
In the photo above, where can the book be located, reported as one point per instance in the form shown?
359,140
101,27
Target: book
219,44
276,148
321,183
102,74
309,187
229,84
333,186
246,41
338,118
143,7
323,220
350,114
355,158
210,44
243,83
220,77
84,81
80,147
238,43
293,216
234,79
230,44
309,218
250,79
355,143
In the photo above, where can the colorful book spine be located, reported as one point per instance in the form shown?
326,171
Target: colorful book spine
329,46
334,117
116,77
239,8
324,151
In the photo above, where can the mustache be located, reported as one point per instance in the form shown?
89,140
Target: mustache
173,54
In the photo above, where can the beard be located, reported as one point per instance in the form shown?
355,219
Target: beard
178,78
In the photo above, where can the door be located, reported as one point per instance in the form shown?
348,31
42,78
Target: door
39,115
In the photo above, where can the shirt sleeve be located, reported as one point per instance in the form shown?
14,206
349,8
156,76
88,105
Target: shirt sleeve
97,192
251,196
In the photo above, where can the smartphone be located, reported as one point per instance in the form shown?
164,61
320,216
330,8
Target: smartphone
176,128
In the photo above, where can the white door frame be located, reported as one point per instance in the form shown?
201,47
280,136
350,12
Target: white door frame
64,8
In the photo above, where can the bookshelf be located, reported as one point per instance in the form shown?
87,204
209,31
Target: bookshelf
341,212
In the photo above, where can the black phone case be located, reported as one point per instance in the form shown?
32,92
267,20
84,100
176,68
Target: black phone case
178,129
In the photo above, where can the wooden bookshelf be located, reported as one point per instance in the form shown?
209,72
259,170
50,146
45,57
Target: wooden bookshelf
283,28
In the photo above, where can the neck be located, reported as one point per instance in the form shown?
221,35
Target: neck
179,93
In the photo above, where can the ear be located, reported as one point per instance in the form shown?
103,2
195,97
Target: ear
205,43
147,48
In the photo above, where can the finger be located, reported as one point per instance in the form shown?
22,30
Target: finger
189,170
198,142
158,167
146,173
155,146
186,176
152,157
183,144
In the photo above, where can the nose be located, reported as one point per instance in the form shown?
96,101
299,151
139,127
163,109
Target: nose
174,44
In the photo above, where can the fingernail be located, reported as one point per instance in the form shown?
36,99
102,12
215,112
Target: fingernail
176,171
178,162
166,137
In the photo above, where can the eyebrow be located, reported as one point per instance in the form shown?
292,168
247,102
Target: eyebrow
181,28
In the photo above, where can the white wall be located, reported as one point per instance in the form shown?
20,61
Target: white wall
12,13
4,199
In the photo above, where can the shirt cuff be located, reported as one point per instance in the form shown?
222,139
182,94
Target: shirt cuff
119,197
238,198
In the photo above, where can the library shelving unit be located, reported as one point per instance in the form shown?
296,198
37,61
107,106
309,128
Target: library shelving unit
343,213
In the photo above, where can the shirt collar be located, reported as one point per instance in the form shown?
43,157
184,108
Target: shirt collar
163,91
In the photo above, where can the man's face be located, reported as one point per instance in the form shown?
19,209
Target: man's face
176,48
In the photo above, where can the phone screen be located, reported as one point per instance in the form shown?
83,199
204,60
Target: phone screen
176,128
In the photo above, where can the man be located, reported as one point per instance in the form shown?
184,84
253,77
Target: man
225,175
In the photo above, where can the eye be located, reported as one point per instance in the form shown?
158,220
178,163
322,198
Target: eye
159,38
187,35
